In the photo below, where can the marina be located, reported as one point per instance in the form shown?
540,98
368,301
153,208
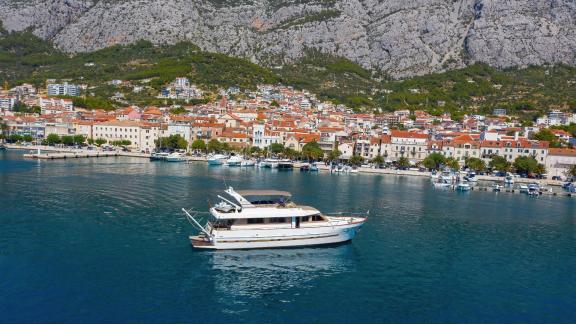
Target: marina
109,231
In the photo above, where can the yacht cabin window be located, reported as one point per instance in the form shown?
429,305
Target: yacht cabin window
277,220
255,220
317,218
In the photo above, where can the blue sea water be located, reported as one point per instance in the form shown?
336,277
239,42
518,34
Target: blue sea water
102,240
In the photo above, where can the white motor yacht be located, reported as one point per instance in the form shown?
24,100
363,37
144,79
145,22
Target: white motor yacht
463,186
234,161
249,219
509,180
217,159
176,157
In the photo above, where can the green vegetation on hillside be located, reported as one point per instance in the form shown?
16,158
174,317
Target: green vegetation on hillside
475,89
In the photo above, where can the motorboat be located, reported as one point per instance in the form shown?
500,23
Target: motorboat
217,159
2,147
269,163
159,156
248,163
523,188
448,175
251,219
354,170
496,187
285,164
305,167
176,157
534,189
509,180
234,161
463,186
442,184
313,167
471,177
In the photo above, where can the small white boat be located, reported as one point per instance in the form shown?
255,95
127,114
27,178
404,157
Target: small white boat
313,167
176,157
305,166
159,156
441,184
251,219
285,164
496,187
462,186
471,177
217,159
234,161
523,188
533,189
269,163
509,180
248,163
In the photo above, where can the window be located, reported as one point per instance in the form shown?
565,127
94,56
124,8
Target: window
317,218
277,220
255,220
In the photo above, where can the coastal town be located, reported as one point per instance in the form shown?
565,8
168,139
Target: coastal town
282,116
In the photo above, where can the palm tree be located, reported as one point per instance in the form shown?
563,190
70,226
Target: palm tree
403,162
378,160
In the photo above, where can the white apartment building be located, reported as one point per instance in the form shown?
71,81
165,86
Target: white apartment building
142,135
65,89
262,137
7,102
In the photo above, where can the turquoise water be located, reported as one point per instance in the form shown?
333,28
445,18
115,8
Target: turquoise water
102,240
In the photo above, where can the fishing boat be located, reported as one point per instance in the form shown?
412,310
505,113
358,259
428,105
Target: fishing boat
176,157
217,159
251,219
234,161
463,186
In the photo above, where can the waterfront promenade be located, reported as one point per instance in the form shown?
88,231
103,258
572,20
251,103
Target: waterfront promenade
50,152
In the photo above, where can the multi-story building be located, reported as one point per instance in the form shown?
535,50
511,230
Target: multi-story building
263,137
7,102
411,145
64,89
559,161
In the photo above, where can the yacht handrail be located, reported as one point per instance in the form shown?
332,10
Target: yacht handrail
351,214
195,223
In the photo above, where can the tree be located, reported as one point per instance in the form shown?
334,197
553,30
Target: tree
572,170
312,151
198,145
540,169
452,163
214,146
172,142
14,138
52,139
475,164
525,164
499,163
27,138
79,139
403,162
90,141
334,155
378,159
434,161
276,148
100,141
356,160
67,140
291,153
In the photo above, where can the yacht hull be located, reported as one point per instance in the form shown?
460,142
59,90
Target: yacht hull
263,239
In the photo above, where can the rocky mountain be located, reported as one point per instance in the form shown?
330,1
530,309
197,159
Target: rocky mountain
400,37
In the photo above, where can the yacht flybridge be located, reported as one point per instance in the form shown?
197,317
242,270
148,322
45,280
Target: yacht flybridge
250,219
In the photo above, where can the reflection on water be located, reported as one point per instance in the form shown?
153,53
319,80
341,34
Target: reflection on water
258,273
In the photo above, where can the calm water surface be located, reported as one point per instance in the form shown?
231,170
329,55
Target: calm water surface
102,240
